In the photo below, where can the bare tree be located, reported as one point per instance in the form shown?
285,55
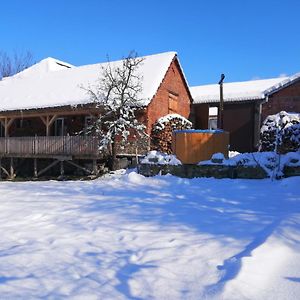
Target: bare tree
10,65
117,95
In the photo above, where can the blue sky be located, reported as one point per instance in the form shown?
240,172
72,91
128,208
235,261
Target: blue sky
243,39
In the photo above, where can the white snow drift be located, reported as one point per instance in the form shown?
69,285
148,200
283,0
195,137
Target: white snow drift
131,237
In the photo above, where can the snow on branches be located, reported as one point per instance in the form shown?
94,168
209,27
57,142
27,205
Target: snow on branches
117,95
281,133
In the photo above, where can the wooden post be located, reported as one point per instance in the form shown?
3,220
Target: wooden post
95,167
35,172
62,171
7,124
5,128
48,167
137,160
47,126
12,168
48,121
221,107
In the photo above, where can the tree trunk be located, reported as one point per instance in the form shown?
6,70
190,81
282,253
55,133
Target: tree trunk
114,156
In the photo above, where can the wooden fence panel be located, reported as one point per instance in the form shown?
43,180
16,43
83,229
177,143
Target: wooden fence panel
50,145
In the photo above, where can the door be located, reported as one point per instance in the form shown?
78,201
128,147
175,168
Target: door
59,127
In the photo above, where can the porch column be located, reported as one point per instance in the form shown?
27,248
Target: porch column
12,171
48,121
6,123
35,171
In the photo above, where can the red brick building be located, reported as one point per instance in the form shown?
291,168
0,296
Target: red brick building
45,105
246,105
285,97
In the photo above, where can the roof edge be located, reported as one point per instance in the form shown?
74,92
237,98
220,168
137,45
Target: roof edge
285,83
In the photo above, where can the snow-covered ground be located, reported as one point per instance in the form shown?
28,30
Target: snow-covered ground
130,237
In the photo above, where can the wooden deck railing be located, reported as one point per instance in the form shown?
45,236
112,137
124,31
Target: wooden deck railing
50,146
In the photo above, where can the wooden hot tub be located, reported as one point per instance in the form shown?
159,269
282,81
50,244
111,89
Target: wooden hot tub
191,146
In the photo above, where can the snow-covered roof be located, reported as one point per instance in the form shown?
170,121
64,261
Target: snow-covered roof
53,83
237,91
283,84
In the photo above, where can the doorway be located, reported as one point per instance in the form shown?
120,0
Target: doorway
59,127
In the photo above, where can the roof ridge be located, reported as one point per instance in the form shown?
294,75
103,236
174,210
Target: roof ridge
244,81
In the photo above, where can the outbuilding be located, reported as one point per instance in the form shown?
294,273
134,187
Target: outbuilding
246,105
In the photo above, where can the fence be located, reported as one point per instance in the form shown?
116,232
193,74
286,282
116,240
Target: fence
50,146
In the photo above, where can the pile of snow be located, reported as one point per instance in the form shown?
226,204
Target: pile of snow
233,153
271,162
130,237
161,122
218,157
156,157
280,132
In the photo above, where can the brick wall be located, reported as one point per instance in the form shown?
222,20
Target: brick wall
173,86
287,99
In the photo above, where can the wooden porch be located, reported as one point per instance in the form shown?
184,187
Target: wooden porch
50,146
40,141
43,153
57,150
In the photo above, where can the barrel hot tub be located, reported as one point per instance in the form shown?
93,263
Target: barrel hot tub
191,146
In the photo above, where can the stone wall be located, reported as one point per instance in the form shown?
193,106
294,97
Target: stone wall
192,171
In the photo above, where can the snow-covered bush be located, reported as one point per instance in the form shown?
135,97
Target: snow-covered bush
156,157
280,133
162,131
269,161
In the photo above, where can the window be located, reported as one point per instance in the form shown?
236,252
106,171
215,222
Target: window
213,118
213,123
173,102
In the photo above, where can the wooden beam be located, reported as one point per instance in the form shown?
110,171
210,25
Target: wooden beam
44,120
8,122
53,118
5,171
35,172
49,111
79,167
47,168
47,126
12,171
6,129
62,170
95,167
11,120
